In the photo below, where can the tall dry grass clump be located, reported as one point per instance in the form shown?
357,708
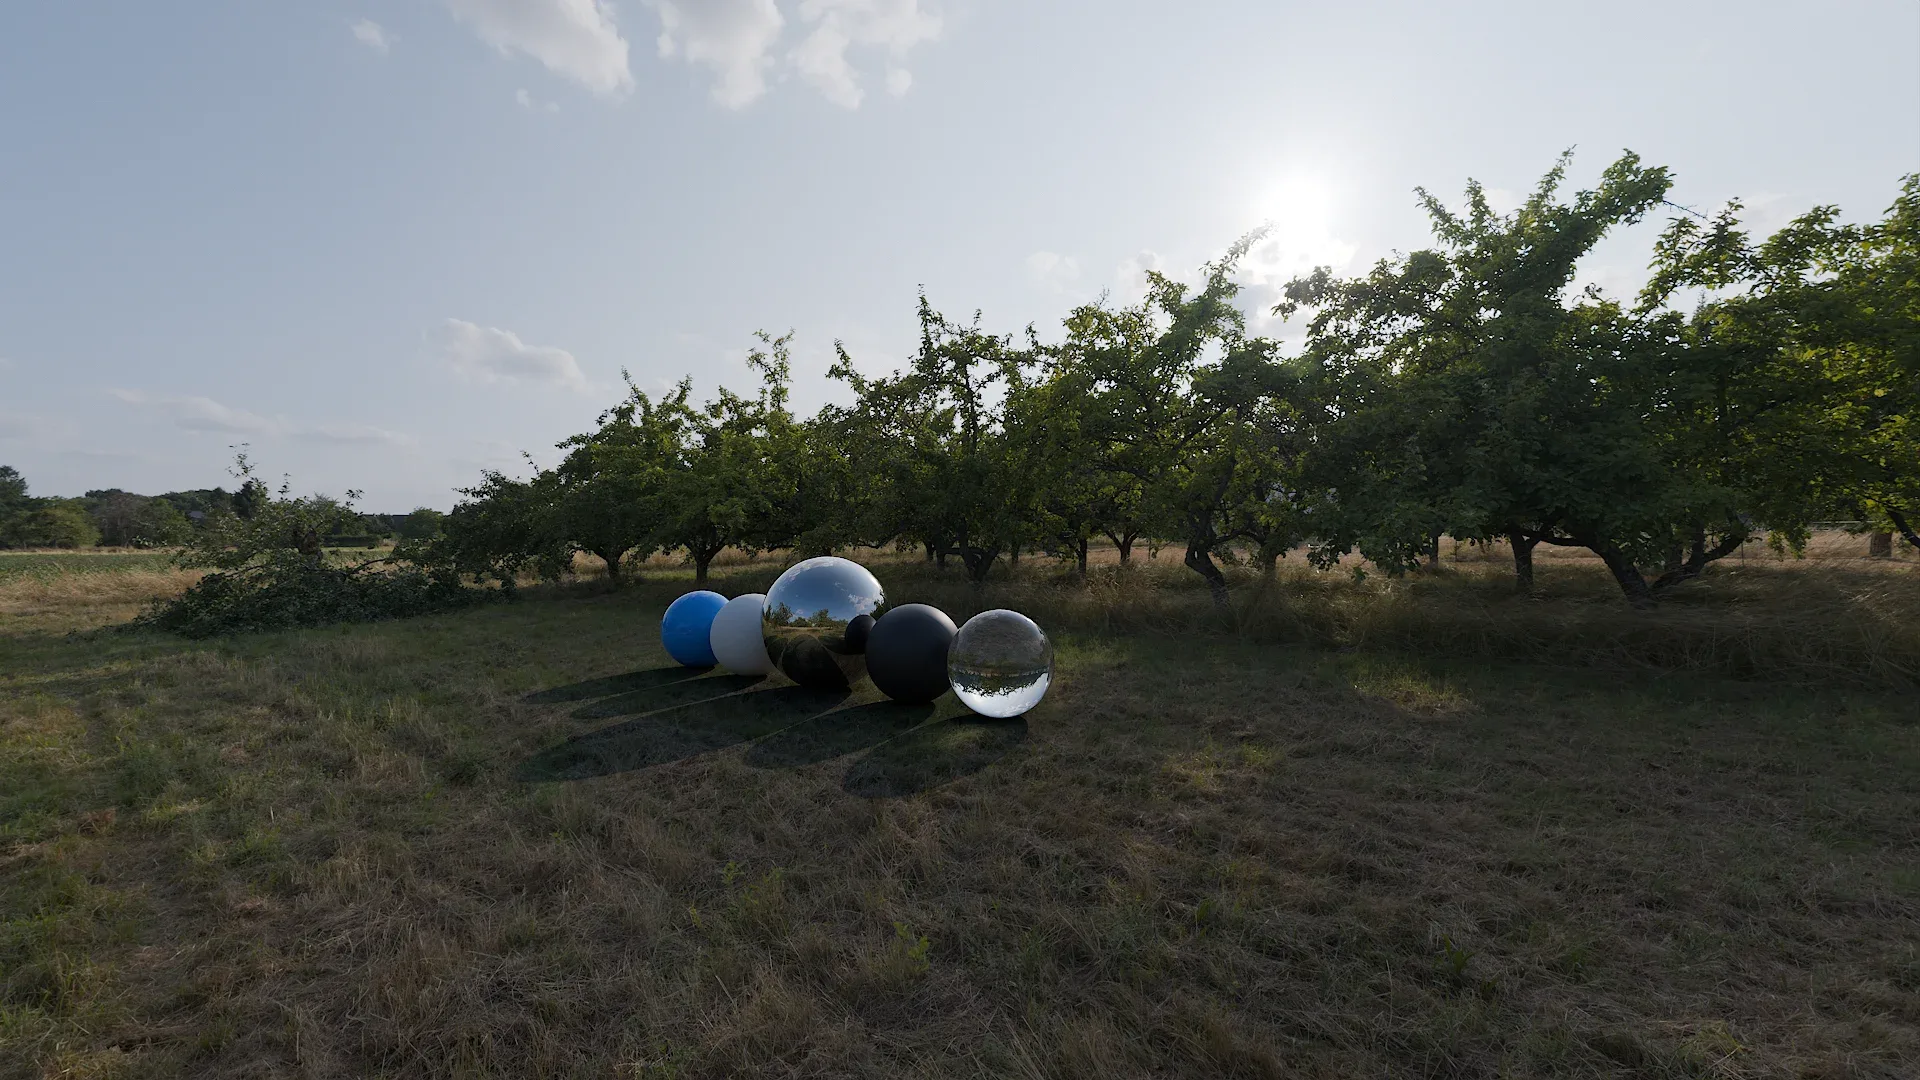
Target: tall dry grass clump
76,599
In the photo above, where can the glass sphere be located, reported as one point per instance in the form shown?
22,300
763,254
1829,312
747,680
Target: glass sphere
808,613
1000,663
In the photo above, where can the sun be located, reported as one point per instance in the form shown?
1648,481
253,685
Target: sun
1299,204
1300,213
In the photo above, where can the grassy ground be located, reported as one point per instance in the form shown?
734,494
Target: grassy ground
19,565
516,842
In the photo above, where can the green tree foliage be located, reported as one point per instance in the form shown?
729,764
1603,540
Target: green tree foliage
501,528
1164,419
125,519
1465,389
13,489
424,523
50,523
735,479
1470,395
269,570
27,522
197,504
1816,331
936,463
606,496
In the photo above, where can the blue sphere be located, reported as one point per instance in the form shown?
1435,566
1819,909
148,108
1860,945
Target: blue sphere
687,628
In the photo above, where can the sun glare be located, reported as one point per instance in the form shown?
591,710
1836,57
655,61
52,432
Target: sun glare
1300,213
1300,204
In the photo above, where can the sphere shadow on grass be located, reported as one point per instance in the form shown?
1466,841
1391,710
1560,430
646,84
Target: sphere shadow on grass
678,732
932,755
668,696
823,738
678,713
629,683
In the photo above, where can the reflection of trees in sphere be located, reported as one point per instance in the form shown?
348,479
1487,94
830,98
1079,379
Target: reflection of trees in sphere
808,613
1000,663
907,653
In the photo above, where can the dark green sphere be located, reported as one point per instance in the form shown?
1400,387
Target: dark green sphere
907,653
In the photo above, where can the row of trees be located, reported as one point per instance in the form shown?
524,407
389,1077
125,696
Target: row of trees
117,518
1752,388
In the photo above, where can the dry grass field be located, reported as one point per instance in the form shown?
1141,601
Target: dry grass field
1418,827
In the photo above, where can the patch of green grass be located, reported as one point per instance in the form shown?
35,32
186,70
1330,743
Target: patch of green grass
515,841
48,564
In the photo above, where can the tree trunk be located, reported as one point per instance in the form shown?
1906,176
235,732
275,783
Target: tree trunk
1632,583
1124,544
1900,523
929,548
1433,552
977,560
1523,545
612,559
1081,555
1268,556
1675,558
1200,561
979,566
1879,545
702,560
1699,557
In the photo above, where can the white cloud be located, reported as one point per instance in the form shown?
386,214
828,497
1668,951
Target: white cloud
1300,211
733,37
529,103
574,38
894,26
195,413
490,354
353,433
1285,255
1130,277
1764,213
1053,271
737,39
373,35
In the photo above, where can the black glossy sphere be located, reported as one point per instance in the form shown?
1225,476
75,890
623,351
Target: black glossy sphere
907,653
857,630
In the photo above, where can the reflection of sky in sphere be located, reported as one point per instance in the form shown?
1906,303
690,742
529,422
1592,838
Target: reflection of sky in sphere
825,592
806,617
1001,663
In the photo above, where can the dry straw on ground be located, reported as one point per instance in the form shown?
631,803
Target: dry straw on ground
515,842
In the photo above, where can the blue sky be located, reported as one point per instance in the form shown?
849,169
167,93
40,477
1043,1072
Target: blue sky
390,243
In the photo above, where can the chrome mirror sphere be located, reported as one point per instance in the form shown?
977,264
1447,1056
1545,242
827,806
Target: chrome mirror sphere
1000,663
809,613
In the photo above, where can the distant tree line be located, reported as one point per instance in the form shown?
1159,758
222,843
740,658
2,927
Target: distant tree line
115,518
1752,388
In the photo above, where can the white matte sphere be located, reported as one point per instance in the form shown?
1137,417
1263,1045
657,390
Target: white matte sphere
737,640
